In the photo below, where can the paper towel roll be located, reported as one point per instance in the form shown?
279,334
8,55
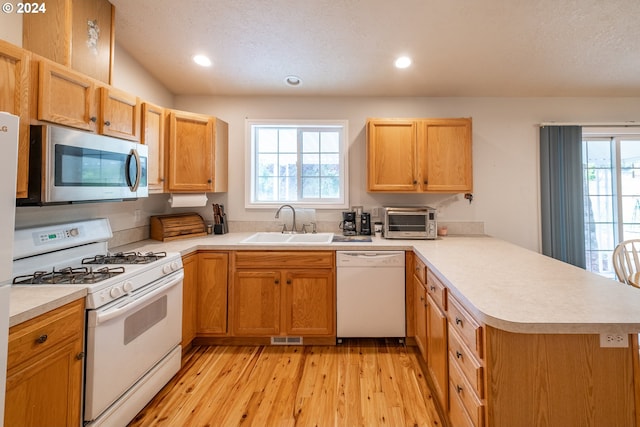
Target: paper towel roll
188,200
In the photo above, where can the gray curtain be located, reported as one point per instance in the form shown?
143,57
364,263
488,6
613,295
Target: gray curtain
561,191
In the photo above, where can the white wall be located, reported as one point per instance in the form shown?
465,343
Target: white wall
505,149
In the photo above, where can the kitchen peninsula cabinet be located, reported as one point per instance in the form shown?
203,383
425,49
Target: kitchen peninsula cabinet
419,155
44,369
153,136
283,294
69,98
14,99
196,153
437,365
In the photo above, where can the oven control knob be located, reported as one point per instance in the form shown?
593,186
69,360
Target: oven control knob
127,287
115,292
166,269
175,266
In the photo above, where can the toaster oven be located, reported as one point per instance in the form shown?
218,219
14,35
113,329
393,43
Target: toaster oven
410,222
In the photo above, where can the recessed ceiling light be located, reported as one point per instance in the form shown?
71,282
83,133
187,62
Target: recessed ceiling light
202,60
293,80
403,62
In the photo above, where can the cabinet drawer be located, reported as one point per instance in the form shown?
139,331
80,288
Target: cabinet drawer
466,327
36,336
284,259
460,389
420,269
437,291
463,357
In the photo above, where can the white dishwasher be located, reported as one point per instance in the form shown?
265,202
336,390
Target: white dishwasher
370,294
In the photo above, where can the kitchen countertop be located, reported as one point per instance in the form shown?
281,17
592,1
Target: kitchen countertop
501,284
27,302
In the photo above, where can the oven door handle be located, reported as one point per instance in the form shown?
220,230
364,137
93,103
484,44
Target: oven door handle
121,310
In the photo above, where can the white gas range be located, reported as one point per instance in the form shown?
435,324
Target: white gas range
134,311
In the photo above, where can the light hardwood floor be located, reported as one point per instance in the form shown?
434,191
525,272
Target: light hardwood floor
357,383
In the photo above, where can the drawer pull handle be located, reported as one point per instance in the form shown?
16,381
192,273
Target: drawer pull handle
433,288
458,389
42,338
458,321
458,354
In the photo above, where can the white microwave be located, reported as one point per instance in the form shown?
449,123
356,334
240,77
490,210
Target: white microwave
69,165
410,222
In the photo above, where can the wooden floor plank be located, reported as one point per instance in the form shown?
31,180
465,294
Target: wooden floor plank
357,383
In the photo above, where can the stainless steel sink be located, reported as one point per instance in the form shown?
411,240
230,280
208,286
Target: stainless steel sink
272,238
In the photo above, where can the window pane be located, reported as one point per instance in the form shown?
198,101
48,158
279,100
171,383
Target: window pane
267,141
311,142
599,209
330,142
330,187
288,141
310,165
288,188
330,165
288,165
266,189
599,153
267,164
310,188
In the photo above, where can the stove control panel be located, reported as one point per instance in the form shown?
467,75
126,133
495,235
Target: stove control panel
55,235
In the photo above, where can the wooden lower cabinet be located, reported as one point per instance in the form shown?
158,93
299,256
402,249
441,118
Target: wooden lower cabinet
204,296
420,311
189,299
44,369
437,350
279,293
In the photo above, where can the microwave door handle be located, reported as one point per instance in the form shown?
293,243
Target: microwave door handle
136,156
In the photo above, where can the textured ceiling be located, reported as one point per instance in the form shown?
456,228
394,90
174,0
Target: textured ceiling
347,47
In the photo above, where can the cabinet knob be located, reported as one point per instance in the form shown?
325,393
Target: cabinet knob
277,282
80,355
42,338
426,182
433,288
288,281
107,123
208,181
458,388
458,321
415,182
93,119
458,354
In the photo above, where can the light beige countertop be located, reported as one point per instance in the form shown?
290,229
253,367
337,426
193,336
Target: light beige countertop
503,285
28,302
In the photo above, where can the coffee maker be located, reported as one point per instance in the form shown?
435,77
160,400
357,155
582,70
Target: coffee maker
348,224
365,224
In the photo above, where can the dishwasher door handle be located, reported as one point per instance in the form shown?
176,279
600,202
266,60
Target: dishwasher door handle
371,255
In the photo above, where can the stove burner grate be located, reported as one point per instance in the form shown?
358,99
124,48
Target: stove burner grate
125,258
68,276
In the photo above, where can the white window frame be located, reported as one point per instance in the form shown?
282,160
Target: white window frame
250,164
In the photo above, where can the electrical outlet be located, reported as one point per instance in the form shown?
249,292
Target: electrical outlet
375,212
614,340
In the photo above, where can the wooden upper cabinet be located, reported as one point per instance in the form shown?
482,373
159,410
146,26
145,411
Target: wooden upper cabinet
153,136
391,155
75,33
445,155
419,155
66,97
14,99
196,153
119,114
72,99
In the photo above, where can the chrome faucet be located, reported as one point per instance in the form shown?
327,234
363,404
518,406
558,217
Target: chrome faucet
284,228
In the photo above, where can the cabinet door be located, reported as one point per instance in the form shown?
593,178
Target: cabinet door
66,97
14,84
212,293
445,155
391,155
92,38
420,300
437,350
255,303
189,299
190,156
309,305
119,114
152,135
